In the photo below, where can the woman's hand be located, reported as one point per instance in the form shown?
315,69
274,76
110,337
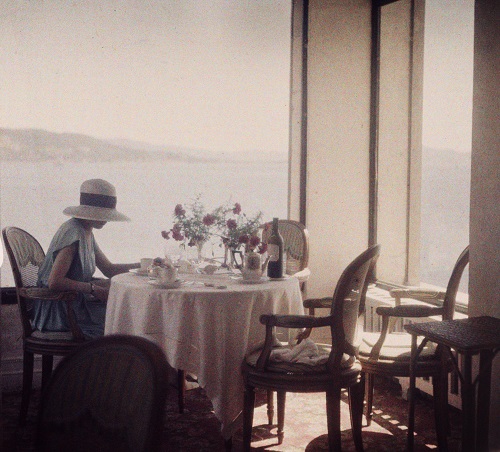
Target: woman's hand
101,292
101,288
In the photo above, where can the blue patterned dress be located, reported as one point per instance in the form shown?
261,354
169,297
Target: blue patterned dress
90,313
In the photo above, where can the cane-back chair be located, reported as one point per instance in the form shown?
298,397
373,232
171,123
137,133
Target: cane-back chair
341,369
296,248
388,353
108,395
25,256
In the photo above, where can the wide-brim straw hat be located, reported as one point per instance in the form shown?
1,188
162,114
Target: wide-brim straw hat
97,202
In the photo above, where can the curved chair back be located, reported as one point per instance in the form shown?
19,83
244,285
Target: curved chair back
454,283
296,240
108,395
348,305
25,256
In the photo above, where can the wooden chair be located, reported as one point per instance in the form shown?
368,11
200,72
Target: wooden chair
25,256
108,395
296,241
388,353
341,370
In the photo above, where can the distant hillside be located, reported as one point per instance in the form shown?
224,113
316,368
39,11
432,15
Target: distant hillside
38,145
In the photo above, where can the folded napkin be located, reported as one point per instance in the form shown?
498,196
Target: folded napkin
306,352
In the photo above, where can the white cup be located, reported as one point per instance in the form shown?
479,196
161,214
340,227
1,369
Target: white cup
145,263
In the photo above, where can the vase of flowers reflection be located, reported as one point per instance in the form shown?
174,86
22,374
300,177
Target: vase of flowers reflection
193,226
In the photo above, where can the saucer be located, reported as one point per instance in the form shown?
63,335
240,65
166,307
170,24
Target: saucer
139,272
280,279
175,285
240,279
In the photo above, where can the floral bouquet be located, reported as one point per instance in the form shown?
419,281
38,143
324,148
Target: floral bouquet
240,231
193,224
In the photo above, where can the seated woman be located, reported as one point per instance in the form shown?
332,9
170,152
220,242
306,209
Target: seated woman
71,261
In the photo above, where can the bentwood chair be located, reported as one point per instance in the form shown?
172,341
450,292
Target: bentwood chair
341,369
25,256
388,353
108,395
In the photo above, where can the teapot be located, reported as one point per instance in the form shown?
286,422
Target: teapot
166,274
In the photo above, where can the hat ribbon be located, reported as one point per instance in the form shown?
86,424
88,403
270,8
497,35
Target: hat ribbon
96,200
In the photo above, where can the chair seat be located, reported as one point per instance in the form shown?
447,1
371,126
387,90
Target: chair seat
397,347
299,368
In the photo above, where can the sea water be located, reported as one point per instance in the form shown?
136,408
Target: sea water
33,196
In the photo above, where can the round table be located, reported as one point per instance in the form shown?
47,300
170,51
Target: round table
205,327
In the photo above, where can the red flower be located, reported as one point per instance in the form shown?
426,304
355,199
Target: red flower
243,238
231,224
208,220
165,234
262,248
254,241
179,210
237,208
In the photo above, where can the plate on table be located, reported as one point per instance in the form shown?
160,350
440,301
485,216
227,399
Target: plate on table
139,272
174,285
240,279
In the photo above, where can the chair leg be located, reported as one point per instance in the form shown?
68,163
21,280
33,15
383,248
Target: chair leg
28,361
281,396
248,409
333,419
370,380
270,406
440,392
181,388
47,365
356,397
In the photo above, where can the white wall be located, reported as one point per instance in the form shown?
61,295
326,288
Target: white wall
338,137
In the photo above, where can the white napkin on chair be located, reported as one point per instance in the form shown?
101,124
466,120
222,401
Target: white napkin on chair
306,352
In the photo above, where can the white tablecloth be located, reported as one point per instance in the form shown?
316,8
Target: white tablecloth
203,330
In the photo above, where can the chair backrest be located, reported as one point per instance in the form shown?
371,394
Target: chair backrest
108,395
25,256
296,241
348,305
454,283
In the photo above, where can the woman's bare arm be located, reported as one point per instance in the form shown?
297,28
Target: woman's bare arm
109,269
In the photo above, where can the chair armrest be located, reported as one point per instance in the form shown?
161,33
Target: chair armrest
295,321
409,310
41,293
318,303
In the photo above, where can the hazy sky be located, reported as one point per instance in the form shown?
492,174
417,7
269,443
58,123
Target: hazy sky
211,74
208,74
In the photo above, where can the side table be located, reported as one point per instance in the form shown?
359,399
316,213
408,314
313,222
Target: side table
469,337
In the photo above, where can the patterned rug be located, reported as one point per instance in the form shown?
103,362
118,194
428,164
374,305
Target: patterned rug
197,429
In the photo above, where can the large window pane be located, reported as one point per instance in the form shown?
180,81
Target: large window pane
165,99
448,65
